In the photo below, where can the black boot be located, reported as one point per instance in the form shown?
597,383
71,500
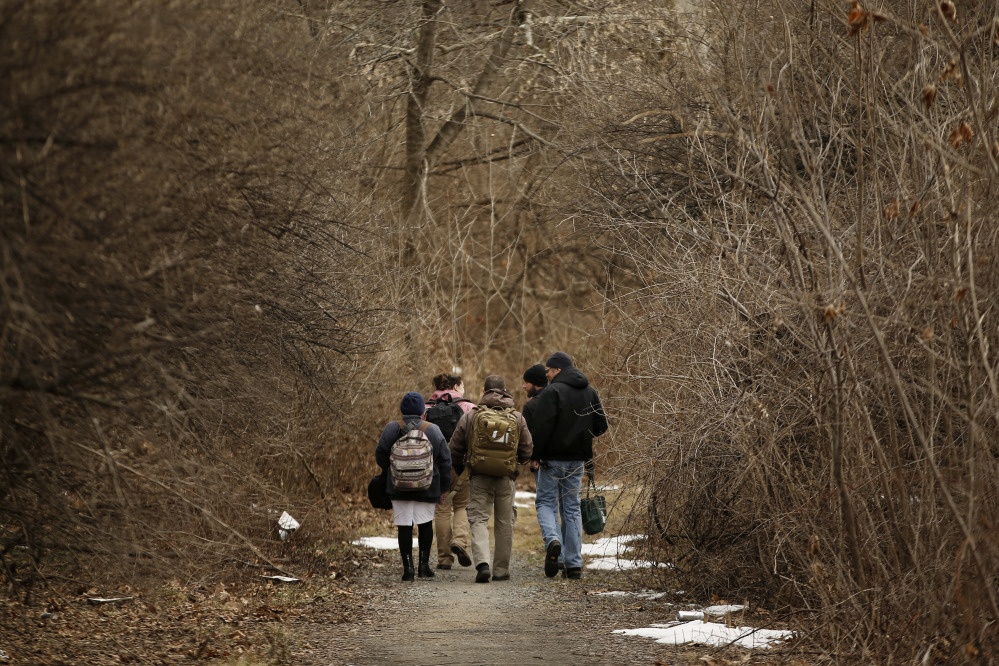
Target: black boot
407,567
425,571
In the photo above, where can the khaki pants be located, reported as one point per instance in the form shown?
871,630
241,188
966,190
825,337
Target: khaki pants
492,495
451,525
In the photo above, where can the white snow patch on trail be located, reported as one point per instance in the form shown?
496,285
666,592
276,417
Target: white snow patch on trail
723,610
710,633
610,546
618,564
606,554
378,543
645,594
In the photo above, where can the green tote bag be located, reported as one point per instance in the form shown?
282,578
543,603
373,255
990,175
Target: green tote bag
593,508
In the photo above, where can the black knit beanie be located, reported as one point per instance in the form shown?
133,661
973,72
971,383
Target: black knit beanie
559,360
536,375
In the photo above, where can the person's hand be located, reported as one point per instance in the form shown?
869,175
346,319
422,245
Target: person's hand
535,465
443,498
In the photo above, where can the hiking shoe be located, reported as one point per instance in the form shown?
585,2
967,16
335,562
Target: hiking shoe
506,577
574,573
445,567
463,558
483,575
552,552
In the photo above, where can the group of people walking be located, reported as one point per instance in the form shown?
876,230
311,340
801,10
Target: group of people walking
451,464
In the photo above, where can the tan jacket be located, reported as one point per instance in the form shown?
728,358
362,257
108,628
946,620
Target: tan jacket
499,399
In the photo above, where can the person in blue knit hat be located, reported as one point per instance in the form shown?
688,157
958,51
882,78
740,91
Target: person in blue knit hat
418,461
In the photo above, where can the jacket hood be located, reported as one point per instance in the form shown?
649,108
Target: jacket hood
574,377
497,398
436,395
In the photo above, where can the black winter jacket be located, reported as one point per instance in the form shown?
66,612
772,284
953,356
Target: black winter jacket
566,416
442,462
528,412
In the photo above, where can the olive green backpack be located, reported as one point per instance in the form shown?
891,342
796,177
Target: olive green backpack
492,449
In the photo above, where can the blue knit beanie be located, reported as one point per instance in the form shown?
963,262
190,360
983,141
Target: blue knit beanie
559,360
412,404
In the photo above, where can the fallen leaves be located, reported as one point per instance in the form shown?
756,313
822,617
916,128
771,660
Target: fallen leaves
961,135
859,19
929,95
948,10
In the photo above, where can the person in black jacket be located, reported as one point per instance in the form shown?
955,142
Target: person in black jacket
535,381
565,419
415,506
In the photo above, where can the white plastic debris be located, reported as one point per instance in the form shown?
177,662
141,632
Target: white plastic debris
283,579
108,600
286,525
687,616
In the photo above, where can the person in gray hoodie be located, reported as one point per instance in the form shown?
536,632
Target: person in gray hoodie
491,494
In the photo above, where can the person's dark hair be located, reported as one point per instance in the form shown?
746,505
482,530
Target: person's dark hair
494,382
446,382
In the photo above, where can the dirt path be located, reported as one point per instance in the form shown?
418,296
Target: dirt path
453,620
530,619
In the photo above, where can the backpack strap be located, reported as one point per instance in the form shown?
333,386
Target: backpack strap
424,425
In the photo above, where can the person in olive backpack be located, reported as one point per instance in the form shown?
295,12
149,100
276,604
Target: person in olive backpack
451,516
490,441
565,419
414,505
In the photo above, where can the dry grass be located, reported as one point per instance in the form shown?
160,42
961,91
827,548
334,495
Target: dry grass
810,340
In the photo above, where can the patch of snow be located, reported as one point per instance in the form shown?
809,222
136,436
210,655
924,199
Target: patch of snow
378,543
710,633
523,506
724,610
647,594
524,495
610,546
617,564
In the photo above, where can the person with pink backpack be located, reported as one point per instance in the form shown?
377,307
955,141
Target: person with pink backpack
445,407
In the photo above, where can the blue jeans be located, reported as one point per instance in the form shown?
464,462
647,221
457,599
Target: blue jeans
558,483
